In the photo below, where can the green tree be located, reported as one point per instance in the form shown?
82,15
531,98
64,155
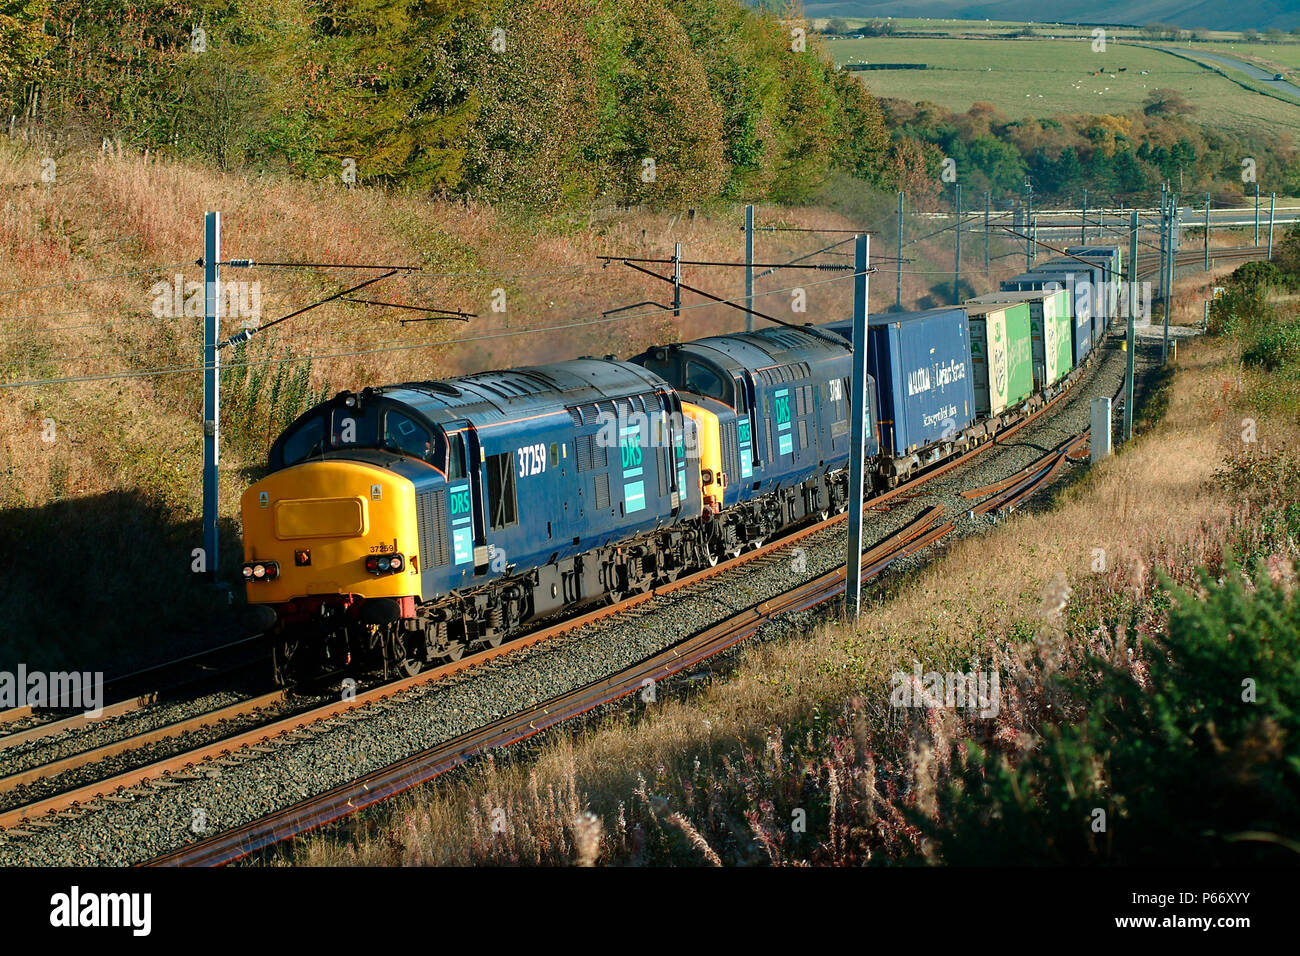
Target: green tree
22,38
383,104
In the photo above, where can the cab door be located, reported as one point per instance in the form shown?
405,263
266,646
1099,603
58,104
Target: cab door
748,447
464,496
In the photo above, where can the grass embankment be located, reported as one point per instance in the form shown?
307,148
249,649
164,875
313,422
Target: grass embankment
1132,725
98,523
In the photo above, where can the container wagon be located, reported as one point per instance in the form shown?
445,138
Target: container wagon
1102,292
1049,322
925,396
1112,260
1076,286
1094,273
1002,356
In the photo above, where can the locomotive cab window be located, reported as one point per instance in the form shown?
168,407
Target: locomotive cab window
401,434
456,456
503,507
305,442
353,429
703,380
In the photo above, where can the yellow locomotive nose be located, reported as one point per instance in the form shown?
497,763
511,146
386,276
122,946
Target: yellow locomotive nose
331,527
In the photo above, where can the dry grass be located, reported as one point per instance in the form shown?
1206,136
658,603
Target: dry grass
108,214
127,452
722,761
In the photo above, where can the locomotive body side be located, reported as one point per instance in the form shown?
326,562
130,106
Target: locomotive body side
450,512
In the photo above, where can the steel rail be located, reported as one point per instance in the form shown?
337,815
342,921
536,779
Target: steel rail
1009,497
386,782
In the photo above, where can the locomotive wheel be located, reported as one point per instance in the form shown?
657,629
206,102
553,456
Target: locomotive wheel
455,651
399,654
495,638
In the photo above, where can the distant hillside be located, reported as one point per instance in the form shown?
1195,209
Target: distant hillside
1191,14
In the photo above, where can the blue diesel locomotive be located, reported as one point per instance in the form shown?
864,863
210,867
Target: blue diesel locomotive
403,525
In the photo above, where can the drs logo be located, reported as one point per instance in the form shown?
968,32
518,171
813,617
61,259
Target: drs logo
631,450
782,409
460,502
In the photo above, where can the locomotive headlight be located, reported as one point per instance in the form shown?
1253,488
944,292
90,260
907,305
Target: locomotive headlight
385,564
350,401
260,571
706,476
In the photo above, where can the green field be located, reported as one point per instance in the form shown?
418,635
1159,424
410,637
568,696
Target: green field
959,28
1045,77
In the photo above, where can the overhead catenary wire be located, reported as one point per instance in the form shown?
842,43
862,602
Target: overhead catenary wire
505,333
247,334
709,295
413,271
436,314
823,251
72,282
822,266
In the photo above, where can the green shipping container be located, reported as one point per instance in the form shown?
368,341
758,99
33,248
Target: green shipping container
1002,355
1049,321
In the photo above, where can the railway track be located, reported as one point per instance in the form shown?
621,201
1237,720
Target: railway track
1003,496
922,532
1149,262
22,725
134,692
268,737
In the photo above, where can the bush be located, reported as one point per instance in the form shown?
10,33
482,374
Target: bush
1274,347
1256,274
1196,761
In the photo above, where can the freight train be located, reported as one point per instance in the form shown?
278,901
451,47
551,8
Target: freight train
406,524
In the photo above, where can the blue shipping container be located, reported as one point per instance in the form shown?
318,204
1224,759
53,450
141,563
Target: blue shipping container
1080,302
1100,292
922,368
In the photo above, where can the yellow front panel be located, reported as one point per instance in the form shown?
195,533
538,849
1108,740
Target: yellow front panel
341,512
320,518
708,436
